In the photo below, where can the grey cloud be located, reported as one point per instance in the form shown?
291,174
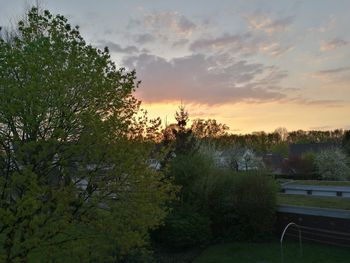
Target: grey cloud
180,42
108,32
114,47
173,21
221,43
133,23
334,74
280,24
185,24
262,22
201,79
333,44
334,70
278,50
144,38
243,44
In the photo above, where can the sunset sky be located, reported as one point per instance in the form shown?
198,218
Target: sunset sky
254,65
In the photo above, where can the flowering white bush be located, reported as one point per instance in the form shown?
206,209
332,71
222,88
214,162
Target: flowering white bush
332,165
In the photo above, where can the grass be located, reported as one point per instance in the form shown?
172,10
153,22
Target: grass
314,201
270,253
321,183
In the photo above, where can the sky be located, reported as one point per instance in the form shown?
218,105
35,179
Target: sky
254,65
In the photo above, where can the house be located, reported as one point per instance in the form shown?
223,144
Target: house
273,162
238,159
300,149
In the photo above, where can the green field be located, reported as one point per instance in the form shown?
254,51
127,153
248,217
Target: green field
321,183
314,201
271,253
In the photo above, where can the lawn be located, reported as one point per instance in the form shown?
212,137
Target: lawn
271,253
314,201
321,183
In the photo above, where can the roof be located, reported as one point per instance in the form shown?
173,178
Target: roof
302,148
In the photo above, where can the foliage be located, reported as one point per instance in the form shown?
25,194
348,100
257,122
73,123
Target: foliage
178,139
251,161
181,117
239,205
281,149
346,142
242,206
263,142
332,165
73,172
208,128
282,134
186,171
184,228
301,167
188,225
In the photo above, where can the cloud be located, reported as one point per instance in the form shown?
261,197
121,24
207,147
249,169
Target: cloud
329,26
333,44
261,22
168,27
316,102
133,23
144,38
180,42
173,21
275,49
330,74
241,44
225,42
334,71
113,47
205,80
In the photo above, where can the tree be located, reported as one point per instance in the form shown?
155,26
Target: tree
282,133
177,139
332,165
346,142
208,128
73,155
181,117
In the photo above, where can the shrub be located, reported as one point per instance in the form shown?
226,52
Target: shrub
228,204
183,229
188,169
242,206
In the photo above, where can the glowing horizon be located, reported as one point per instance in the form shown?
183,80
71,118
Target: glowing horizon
253,65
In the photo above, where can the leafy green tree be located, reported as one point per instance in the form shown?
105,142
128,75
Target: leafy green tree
74,179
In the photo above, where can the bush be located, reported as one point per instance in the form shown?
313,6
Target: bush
238,206
187,171
183,229
242,206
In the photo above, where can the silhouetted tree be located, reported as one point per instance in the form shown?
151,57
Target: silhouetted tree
208,128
